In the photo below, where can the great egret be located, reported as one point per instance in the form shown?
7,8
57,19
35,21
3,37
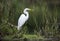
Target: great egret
23,18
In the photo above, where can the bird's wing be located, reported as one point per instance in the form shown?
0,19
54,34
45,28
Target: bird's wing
22,19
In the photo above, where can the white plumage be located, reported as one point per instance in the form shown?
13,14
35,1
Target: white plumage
23,18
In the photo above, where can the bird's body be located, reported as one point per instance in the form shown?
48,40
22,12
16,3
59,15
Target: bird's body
23,18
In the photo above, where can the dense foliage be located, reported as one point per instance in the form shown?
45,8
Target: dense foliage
43,19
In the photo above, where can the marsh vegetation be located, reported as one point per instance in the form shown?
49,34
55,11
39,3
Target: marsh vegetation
43,20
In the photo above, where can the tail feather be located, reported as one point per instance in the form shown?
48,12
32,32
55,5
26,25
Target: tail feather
19,27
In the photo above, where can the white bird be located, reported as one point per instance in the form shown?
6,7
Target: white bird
23,18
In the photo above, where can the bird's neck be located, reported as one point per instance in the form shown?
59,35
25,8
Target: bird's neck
26,13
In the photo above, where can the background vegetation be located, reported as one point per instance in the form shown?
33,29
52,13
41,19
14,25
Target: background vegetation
43,21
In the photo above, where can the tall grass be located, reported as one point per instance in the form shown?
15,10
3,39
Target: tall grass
42,20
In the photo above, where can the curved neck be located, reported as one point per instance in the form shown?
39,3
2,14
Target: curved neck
26,13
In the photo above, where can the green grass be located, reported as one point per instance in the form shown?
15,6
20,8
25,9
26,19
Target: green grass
41,16
29,36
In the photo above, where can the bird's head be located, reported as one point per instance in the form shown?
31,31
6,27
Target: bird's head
26,9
